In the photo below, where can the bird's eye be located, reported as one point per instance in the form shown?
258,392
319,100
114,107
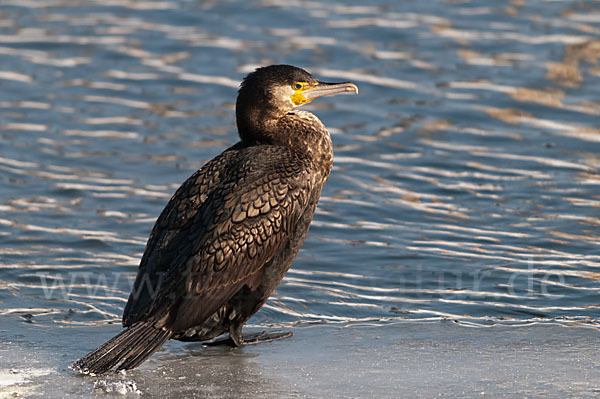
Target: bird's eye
297,86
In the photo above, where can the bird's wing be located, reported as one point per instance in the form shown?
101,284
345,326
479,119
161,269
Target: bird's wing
240,225
171,228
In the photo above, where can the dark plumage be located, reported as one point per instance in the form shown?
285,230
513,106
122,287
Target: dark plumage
231,231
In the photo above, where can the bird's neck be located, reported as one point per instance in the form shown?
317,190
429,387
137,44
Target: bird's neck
257,123
298,130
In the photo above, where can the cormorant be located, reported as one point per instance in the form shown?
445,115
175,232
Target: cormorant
231,231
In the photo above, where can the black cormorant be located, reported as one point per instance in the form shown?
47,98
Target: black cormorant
231,231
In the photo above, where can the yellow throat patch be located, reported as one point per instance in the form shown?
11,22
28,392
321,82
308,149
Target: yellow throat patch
298,98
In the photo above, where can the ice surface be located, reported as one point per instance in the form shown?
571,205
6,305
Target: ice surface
412,360
119,387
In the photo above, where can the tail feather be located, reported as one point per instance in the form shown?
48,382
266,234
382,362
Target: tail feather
130,348
139,358
134,341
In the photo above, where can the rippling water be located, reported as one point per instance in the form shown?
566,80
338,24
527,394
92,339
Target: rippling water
466,181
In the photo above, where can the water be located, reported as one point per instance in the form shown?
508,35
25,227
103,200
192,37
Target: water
465,186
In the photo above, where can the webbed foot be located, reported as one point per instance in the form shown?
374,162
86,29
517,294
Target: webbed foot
250,339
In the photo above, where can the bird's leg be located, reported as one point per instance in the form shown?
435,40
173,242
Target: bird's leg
235,333
236,338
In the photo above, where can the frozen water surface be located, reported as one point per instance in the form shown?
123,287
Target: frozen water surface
407,359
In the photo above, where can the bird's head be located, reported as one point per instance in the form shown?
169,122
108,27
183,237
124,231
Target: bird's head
271,92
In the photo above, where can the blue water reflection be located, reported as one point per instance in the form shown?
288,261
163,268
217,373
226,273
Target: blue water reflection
465,183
